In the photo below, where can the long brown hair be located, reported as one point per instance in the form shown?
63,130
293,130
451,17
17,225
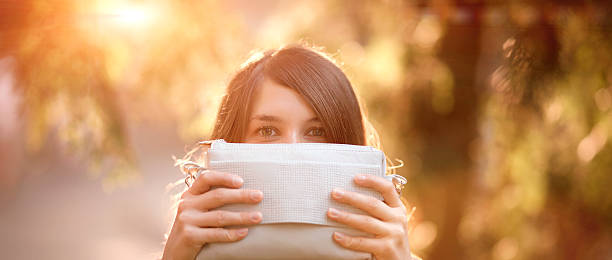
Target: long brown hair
311,73
308,71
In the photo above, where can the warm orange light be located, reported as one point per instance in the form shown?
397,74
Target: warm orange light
126,15
132,16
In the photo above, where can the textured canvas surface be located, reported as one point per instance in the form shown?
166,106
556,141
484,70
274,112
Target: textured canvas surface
297,179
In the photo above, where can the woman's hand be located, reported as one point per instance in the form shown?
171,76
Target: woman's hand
388,220
196,222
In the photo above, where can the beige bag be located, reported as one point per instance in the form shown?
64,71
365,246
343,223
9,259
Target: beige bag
296,180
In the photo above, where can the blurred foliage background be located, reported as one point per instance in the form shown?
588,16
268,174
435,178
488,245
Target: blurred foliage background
501,110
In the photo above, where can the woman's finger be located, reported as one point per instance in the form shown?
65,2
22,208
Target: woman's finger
221,196
200,236
369,204
220,218
361,222
382,185
208,179
362,244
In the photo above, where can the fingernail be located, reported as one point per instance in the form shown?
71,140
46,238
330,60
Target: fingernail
237,181
338,236
256,195
361,177
334,213
338,193
243,232
255,216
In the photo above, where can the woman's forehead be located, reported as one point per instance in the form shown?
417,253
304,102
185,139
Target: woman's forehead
276,102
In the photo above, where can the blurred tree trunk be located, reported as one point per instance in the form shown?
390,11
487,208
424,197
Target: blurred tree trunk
449,136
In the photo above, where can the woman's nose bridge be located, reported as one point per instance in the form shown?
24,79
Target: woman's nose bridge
293,136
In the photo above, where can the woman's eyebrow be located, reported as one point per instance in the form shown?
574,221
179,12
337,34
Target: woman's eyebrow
314,120
270,118
267,118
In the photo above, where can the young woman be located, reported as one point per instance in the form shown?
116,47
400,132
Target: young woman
290,95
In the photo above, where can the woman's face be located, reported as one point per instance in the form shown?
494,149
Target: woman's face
281,115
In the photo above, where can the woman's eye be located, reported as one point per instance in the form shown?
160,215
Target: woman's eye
266,131
316,132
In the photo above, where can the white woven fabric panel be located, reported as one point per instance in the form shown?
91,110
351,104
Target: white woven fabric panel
297,179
